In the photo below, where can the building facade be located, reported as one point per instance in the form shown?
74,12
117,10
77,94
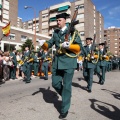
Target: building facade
112,37
18,36
9,11
90,20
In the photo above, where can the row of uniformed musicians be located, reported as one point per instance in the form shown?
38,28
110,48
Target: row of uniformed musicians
40,59
12,64
95,63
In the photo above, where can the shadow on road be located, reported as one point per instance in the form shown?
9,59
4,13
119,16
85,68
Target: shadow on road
50,97
116,95
79,79
79,86
105,109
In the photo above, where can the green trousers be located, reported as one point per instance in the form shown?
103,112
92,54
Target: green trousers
27,71
101,73
88,76
13,72
36,66
62,82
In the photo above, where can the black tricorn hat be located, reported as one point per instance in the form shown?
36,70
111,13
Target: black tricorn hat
62,15
102,44
89,38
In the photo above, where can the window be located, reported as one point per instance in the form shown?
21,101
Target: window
80,25
12,36
80,16
6,5
45,15
23,38
116,47
116,43
30,24
44,30
115,39
44,23
79,6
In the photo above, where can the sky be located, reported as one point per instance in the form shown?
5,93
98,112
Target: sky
110,9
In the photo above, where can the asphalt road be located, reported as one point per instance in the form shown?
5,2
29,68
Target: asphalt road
38,100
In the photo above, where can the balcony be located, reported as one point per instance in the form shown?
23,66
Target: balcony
45,11
53,15
79,2
55,7
82,28
53,23
44,26
80,11
81,20
45,19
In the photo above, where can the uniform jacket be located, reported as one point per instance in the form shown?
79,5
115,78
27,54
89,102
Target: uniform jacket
101,62
86,63
62,61
14,58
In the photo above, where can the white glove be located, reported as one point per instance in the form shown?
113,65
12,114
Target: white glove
41,42
65,44
104,56
92,57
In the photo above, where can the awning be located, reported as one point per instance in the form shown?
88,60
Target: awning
53,19
63,8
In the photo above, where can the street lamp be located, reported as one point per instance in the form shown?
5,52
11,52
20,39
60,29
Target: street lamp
34,41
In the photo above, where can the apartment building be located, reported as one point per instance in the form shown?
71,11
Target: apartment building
18,36
112,37
9,11
19,22
31,25
90,20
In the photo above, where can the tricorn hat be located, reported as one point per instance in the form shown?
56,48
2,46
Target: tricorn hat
89,38
102,44
62,15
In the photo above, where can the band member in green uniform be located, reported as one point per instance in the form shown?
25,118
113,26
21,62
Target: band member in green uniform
45,60
64,61
88,63
101,65
13,67
26,66
36,64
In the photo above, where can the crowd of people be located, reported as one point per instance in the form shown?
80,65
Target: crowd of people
70,55
14,64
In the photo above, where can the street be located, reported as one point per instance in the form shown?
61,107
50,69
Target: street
38,100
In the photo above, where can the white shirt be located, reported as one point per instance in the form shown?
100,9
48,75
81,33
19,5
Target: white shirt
101,50
89,46
63,29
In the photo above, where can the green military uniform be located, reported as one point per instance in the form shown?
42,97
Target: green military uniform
26,66
36,65
13,68
119,63
88,67
45,65
101,67
63,67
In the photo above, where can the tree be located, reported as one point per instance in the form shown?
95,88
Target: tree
28,43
